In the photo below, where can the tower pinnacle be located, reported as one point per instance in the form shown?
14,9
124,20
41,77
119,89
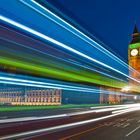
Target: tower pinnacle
135,35
135,29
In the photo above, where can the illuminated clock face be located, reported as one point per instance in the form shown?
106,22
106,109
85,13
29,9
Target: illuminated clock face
134,52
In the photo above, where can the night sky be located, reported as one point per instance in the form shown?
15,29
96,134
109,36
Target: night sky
110,21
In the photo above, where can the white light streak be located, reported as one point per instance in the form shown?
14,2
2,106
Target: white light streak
75,32
62,45
99,109
37,83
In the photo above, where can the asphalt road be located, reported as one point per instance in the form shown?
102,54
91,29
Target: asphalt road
123,127
41,112
44,112
94,124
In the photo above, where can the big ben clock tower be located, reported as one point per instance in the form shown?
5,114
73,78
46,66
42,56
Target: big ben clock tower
134,54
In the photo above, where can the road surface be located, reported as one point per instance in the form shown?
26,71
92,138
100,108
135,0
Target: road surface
111,123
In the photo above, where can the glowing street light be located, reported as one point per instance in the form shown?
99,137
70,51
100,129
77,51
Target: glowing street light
126,88
135,97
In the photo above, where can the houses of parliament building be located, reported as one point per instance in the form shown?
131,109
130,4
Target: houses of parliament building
16,95
25,95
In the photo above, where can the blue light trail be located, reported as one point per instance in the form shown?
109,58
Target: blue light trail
36,33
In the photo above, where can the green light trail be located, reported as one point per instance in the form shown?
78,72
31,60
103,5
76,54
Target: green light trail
81,76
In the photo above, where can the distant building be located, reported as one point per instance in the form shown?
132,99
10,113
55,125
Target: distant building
29,96
17,95
111,97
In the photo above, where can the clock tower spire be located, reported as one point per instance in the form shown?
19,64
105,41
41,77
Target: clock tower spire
135,35
134,54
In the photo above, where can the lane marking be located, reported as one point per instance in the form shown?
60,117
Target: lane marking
70,136
129,120
126,125
80,133
111,106
132,131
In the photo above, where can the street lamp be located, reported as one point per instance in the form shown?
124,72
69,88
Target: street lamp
135,97
126,88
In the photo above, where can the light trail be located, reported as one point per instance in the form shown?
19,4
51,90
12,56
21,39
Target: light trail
76,32
119,108
50,86
36,83
36,33
44,83
53,17
58,86
94,70
63,75
110,106
126,110
67,61
5,62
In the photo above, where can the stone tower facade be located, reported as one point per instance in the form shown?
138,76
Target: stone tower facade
134,55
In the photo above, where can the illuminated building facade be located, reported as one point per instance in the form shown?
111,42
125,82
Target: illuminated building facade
29,96
111,96
16,95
